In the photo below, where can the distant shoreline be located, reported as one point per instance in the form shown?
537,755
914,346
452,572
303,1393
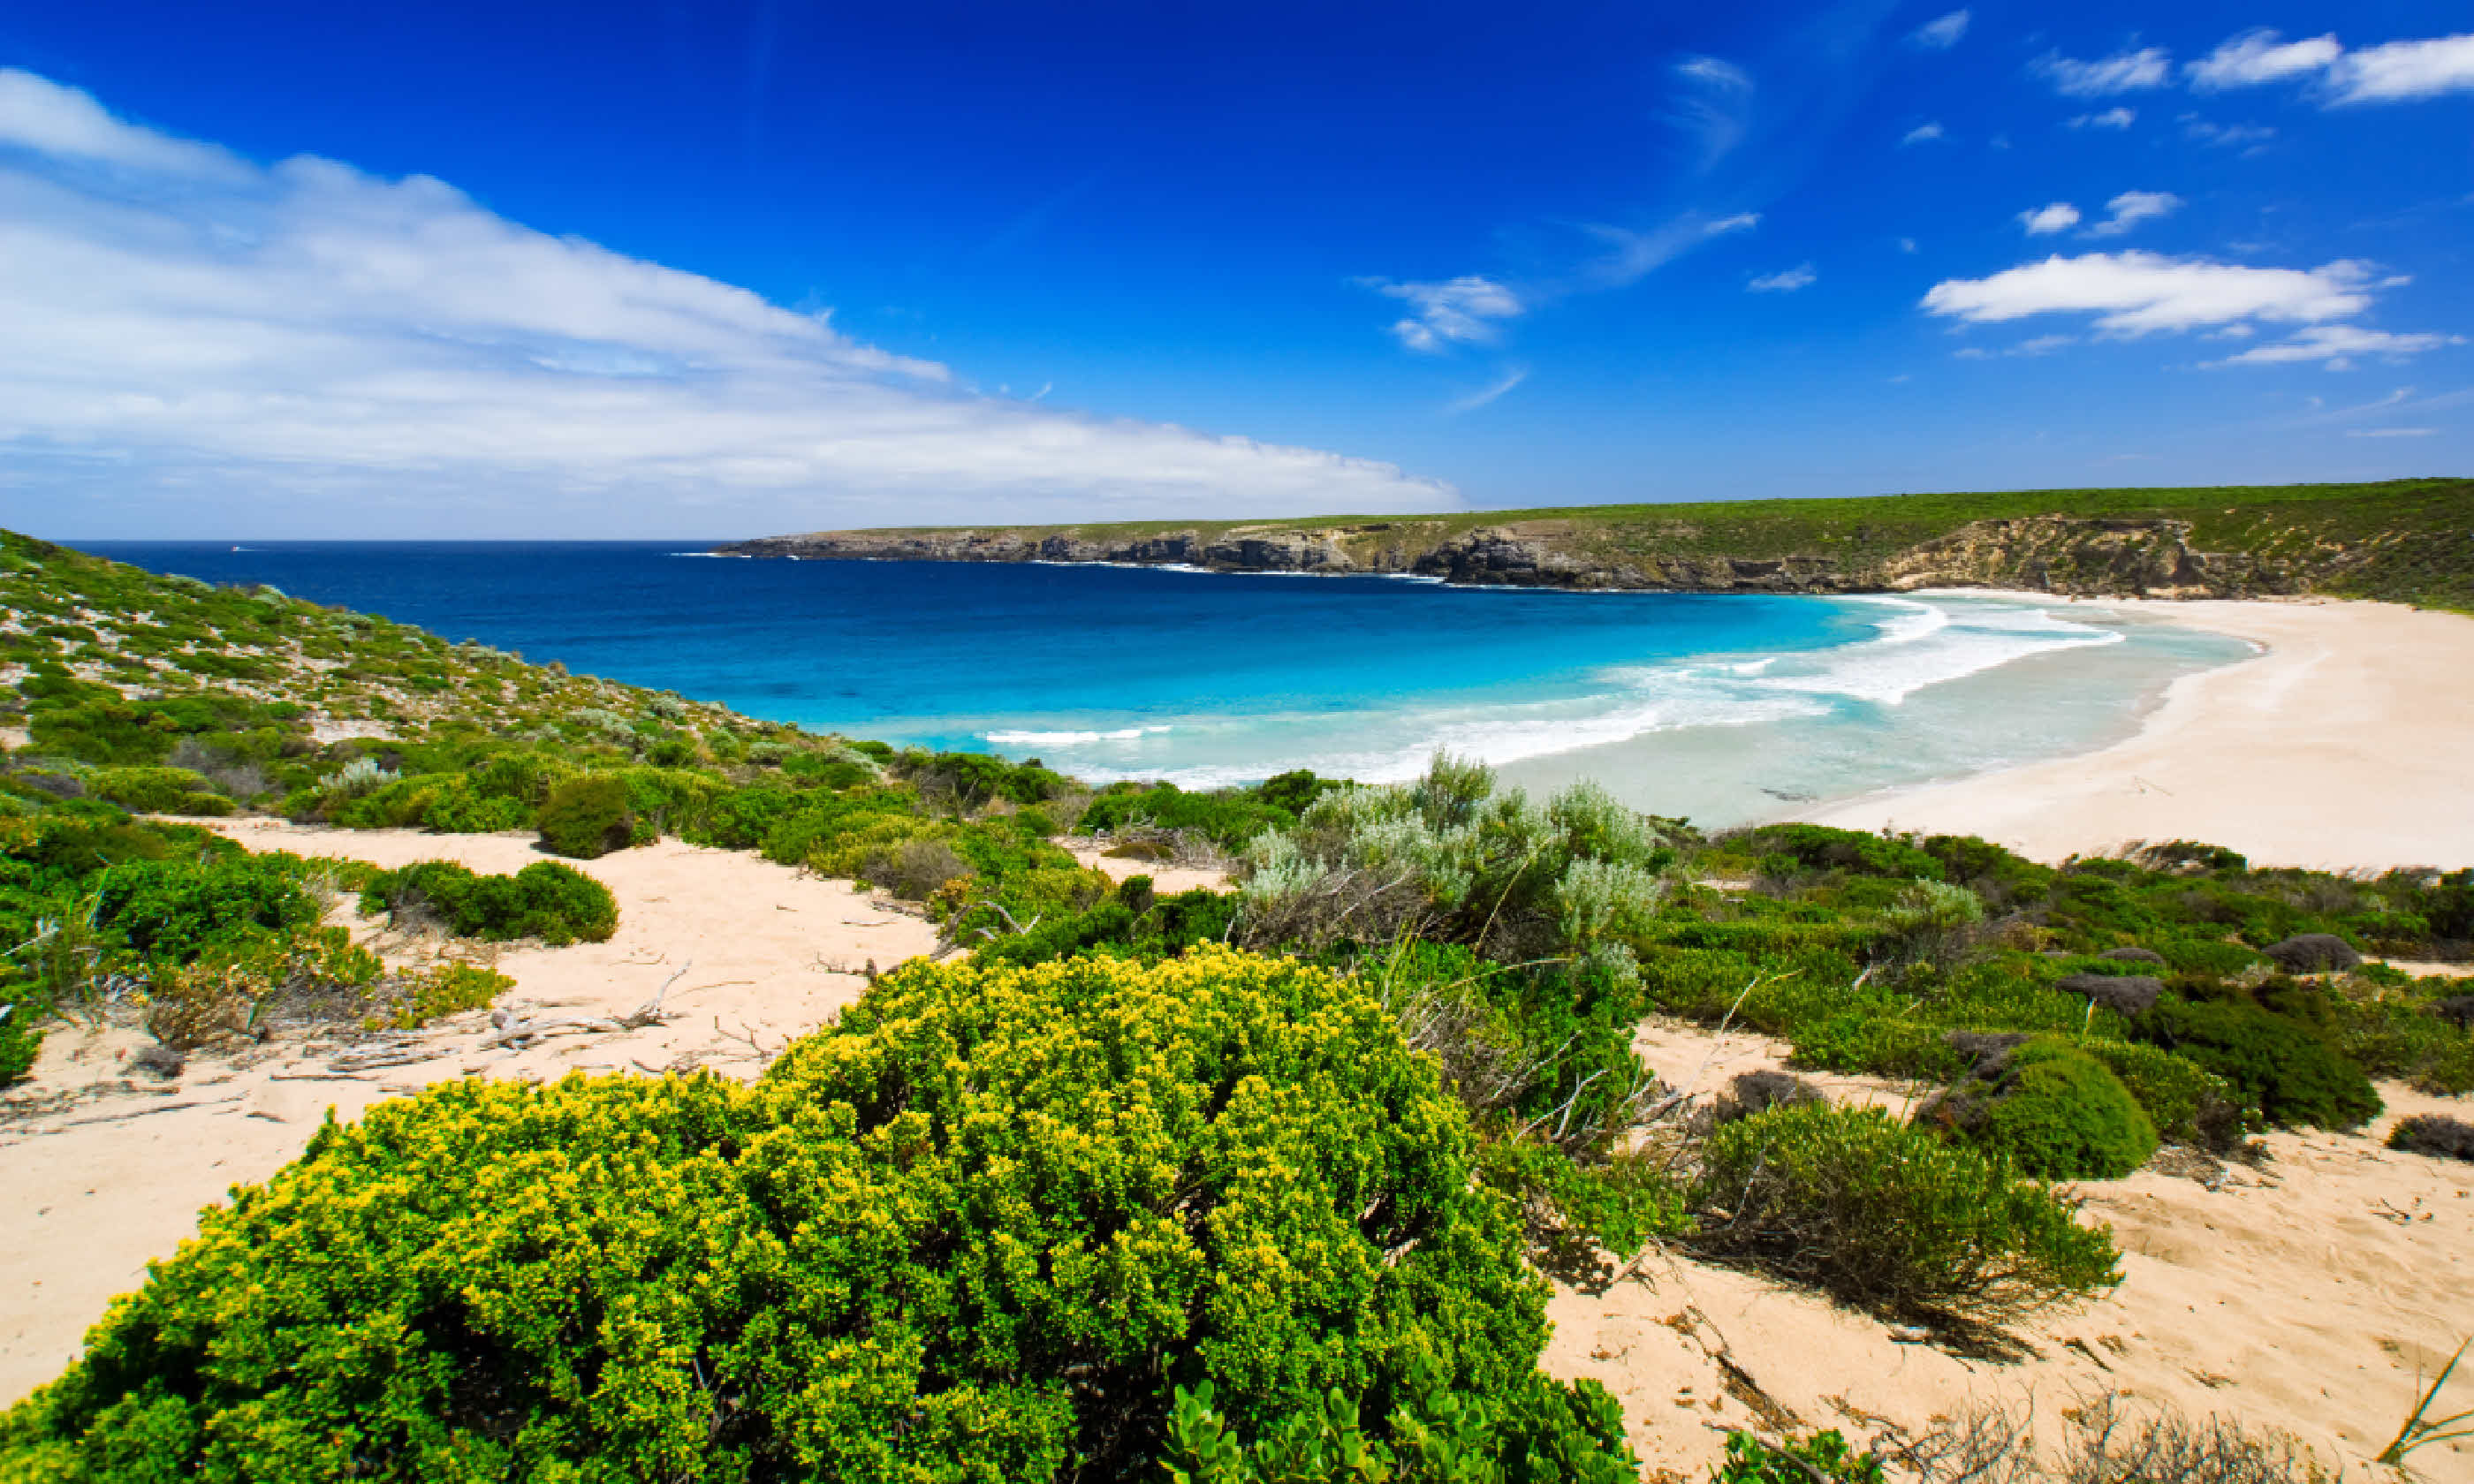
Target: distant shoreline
2341,746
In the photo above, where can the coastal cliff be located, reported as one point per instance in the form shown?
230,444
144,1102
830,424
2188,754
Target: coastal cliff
2410,540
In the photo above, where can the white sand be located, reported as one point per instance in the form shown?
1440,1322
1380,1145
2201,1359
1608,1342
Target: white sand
2344,744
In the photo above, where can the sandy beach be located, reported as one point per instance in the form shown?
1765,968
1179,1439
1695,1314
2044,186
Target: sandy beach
2341,746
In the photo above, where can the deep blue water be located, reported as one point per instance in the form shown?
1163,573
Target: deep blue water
1109,671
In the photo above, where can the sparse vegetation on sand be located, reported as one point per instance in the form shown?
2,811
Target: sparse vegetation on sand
1218,1184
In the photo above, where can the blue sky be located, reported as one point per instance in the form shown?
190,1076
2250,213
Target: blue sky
719,269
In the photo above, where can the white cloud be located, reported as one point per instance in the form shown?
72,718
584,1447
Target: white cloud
1923,132
1907,245
2337,345
2045,221
2391,432
2132,208
200,343
2134,293
2125,72
1786,280
1941,34
2110,118
1488,393
39,115
2257,57
2229,136
2403,70
1455,311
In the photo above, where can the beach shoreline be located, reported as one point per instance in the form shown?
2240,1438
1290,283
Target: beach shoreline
2336,747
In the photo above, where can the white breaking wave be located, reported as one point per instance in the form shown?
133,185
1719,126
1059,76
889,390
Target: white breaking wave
1071,738
1928,645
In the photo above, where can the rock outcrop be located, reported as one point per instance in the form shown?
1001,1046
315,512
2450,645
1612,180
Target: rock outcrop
2082,556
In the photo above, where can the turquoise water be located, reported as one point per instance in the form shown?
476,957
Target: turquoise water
1722,708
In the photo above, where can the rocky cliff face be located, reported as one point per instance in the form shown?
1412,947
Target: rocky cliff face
2114,556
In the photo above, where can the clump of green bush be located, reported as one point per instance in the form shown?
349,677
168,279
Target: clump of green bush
2277,1065
1892,1217
558,904
160,791
982,1228
587,816
2052,1110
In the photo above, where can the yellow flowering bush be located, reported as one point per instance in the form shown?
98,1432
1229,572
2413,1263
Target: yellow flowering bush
980,1230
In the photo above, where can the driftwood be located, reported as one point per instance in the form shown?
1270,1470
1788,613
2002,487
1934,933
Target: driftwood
520,1033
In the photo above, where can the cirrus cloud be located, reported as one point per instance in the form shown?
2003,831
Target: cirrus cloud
2124,72
200,342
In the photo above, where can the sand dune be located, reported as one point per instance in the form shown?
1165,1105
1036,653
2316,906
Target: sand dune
2341,746
2307,1294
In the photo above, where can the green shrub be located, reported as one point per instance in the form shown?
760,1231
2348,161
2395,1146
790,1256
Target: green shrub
2394,1034
170,910
1823,1458
981,1228
1541,1433
2055,1113
2280,1069
587,816
2187,1103
1892,1217
445,989
159,791
1878,1046
1820,847
558,904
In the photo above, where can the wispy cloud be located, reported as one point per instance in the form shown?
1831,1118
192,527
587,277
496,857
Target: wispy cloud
2045,221
1922,133
2336,345
2124,72
2231,136
1712,102
2391,432
2257,57
1786,280
199,341
1942,34
2110,118
1455,311
1489,393
2132,208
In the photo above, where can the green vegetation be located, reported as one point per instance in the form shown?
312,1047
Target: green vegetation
1229,1185
2051,1109
556,903
984,1227
1887,1215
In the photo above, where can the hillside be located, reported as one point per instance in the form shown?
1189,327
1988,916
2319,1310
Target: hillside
2403,540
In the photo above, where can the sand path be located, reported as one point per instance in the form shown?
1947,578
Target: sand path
2343,745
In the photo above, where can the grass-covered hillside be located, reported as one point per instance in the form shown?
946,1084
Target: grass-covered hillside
1254,1185
2402,541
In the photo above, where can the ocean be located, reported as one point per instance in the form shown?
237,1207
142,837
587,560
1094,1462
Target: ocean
1722,708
